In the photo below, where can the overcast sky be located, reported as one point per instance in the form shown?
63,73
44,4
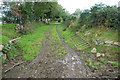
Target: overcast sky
72,5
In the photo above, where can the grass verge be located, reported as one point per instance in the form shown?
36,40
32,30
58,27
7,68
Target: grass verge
28,45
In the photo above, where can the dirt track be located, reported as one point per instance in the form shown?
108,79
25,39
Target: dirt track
48,65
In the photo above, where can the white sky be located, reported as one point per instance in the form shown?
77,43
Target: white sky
72,5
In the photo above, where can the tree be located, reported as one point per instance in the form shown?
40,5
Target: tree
99,15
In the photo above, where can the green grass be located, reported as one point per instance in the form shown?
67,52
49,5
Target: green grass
30,44
109,33
5,39
67,36
8,31
102,34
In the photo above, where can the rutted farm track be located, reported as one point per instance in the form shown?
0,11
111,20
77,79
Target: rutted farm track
45,64
55,60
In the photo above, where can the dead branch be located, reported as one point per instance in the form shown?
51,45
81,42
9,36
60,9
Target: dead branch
14,66
13,40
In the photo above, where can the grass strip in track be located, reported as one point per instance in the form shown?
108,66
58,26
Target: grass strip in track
57,45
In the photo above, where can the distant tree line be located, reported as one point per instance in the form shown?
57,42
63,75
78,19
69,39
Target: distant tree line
20,12
99,15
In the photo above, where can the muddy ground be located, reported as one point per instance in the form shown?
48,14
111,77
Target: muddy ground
48,65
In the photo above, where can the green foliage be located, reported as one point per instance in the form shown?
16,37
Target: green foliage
28,11
99,15
66,23
13,51
7,47
51,10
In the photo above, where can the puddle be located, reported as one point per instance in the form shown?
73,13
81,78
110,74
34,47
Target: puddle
61,61
73,67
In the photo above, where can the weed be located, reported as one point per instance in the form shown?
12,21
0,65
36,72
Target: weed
92,64
102,60
114,63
